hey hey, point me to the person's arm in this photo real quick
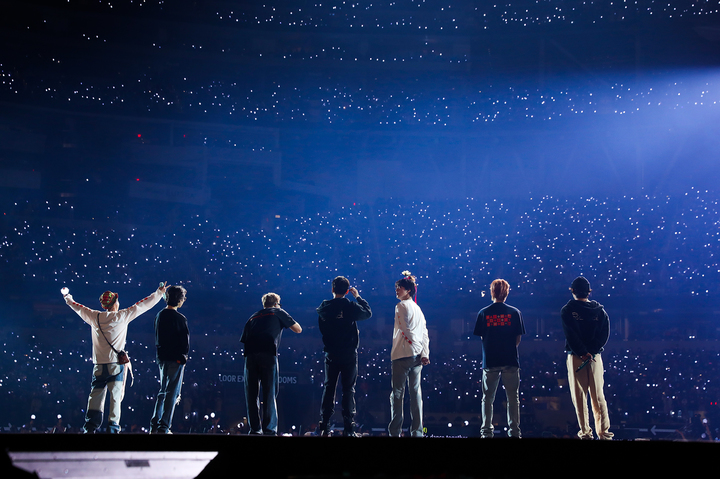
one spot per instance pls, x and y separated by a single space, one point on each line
183 339
604 332
402 319
287 321
479 325
362 308
246 332
520 328
86 314
572 334
180 337
186 337
425 355
144 304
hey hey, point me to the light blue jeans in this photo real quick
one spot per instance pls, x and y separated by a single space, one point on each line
511 381
406 370
106 377
171 376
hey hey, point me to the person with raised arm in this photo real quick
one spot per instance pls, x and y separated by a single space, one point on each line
337 320
261 336
110 361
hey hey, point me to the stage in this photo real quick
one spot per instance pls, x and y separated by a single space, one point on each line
177 456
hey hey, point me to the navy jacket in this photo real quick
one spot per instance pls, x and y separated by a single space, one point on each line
337 319
586 326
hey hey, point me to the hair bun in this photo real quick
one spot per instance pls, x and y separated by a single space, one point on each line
407 275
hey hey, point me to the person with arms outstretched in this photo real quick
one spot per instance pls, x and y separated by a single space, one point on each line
110 362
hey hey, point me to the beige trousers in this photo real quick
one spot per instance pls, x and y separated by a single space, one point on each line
589 380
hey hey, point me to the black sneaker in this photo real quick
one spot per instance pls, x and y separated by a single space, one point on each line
349 429
323 430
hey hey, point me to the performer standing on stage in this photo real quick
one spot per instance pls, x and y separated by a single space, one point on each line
410 352
500 326
587 329
172 346
337 319
261 337
109 333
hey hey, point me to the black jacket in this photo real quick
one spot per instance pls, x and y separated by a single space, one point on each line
172 339
586 326
338 323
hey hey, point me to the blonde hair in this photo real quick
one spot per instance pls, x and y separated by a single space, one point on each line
270 299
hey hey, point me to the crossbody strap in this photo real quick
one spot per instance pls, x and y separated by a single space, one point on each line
129 368
103 334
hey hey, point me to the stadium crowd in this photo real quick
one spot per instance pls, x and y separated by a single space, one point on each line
648 247
652 245
330 76
192 66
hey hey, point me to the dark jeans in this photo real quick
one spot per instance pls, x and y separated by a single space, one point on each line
344 366
261 371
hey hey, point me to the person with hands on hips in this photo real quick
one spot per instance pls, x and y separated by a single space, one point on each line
109 334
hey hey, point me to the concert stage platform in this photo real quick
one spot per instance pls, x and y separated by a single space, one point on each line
176 456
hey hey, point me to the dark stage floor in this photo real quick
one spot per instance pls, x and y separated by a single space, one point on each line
298 457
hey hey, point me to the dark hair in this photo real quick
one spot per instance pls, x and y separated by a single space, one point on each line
174 295
580 287
408 282
340 285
